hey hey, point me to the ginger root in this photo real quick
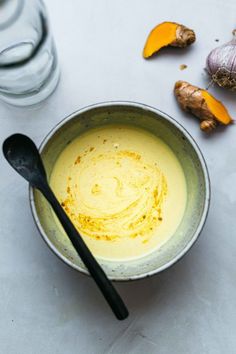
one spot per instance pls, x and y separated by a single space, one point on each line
201 104
168 34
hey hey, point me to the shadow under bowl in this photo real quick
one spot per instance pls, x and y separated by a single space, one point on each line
183 146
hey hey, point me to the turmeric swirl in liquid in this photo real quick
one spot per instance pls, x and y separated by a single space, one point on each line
115 186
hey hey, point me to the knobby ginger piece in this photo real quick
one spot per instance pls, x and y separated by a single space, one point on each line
202 104
168 34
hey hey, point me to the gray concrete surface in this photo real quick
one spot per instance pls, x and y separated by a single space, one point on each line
47 308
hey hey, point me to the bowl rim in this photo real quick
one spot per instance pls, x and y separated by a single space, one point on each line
190 139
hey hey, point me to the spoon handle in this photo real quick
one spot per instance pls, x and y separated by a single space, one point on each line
109 292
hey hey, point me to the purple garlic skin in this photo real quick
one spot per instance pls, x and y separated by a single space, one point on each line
221 65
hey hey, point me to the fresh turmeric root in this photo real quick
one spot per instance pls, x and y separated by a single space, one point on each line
201 104
167 34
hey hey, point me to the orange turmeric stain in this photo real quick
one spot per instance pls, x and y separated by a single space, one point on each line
77 160
141 226
130 154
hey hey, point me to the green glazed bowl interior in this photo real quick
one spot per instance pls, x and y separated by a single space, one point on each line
184 147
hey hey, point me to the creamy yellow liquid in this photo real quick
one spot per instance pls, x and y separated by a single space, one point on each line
123 188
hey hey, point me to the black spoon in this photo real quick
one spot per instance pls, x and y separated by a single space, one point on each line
22 154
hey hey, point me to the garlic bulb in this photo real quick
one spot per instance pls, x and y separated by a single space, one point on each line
221 64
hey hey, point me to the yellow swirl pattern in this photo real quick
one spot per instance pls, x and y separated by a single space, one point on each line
115 195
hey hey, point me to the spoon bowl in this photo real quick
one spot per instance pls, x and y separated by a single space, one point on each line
23 156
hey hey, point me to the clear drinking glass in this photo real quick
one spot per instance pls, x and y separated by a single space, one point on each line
28 61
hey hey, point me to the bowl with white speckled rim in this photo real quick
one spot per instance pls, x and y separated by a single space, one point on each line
188 154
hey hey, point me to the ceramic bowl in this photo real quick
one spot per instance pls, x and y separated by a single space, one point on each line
184 147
